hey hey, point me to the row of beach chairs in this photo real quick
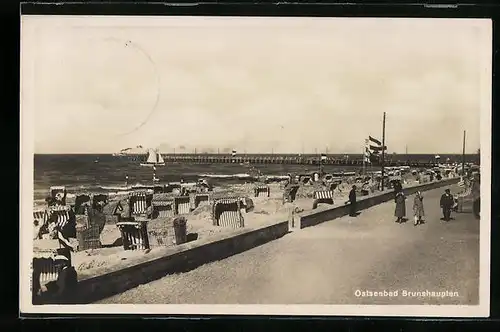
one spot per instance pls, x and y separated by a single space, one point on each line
225 212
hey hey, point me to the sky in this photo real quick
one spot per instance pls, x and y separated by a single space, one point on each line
101 84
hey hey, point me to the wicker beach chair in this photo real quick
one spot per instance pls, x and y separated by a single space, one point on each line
40 217
134 235
201 199
57 195
323 196
46 267
140 205
163 208
226 212
182 204
62 218
262 190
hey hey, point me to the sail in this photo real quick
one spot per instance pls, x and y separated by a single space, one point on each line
160 158
151 156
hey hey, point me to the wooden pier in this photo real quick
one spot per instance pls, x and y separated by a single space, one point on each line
277 159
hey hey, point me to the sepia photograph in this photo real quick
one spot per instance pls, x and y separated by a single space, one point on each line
255 165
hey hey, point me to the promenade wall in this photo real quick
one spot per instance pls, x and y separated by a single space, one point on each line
323 214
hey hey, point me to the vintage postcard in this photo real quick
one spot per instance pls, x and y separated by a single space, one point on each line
249 165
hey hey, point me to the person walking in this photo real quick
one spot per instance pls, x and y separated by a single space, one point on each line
418 208
400 211
446 204
352 202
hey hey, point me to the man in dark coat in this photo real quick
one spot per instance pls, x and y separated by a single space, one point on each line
352 202
446 204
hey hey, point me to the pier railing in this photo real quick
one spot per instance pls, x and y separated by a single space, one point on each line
292 160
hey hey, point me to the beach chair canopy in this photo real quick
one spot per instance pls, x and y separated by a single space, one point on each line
54 190
80 201
99 201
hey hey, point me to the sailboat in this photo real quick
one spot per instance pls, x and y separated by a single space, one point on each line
154 159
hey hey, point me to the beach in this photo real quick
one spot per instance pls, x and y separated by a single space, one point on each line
227 182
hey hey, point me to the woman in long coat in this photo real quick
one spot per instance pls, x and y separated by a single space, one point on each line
400 212
418 208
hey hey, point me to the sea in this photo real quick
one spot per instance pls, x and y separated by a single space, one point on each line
103 173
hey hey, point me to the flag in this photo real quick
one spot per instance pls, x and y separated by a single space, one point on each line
374 147
323 156
377 148
374 140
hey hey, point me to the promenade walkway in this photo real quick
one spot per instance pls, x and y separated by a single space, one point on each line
328 263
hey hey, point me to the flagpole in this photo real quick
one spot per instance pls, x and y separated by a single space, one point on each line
383 151
463 157
364 159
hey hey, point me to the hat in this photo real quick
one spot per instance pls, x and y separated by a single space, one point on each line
447 190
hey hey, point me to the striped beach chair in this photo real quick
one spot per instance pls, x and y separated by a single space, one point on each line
45 272
64 221
140 205
46 266
226 212
40 217
182 204
134 235
164 208
262 191
322 196
61 215
201 199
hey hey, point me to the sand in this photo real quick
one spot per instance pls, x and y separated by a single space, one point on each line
267 211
